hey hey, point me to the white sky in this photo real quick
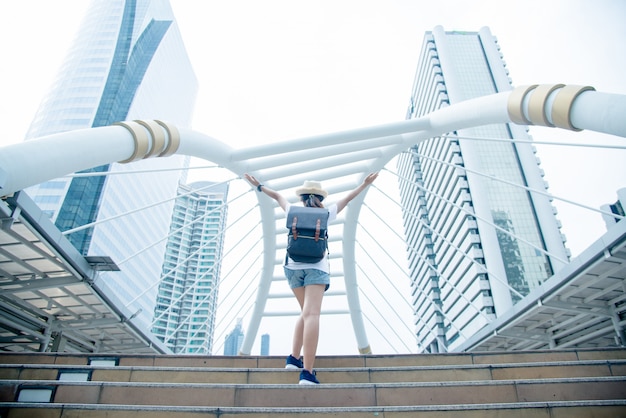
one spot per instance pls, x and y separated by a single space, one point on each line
271 70
283 69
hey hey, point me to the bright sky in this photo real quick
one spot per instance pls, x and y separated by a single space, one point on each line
281 69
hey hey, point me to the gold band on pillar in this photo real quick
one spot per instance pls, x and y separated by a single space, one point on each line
515 104
158 137
150 139
562 106
174 139
140 137
537 104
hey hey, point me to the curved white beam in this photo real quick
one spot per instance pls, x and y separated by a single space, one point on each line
32 162
569 107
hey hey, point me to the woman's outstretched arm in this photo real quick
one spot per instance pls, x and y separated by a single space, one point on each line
282 202
342 203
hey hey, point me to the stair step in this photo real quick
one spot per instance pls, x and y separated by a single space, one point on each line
541 384
326 395
573 409
403 360
471 372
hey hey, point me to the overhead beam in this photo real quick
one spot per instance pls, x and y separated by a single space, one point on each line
38 284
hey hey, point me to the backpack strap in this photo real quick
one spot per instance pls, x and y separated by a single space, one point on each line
317 229
294 230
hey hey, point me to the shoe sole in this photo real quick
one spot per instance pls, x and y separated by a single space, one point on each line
291 366
307 382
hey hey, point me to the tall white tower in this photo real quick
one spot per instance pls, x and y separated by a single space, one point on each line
472 237
187 299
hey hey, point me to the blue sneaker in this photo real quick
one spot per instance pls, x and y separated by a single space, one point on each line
308 378
293 363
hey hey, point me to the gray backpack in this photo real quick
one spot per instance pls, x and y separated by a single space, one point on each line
307 239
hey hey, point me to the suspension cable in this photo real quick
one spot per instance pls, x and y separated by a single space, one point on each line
384 337
130 212
454 247
152 170
510 183
176 231
393 260
488 222
385 319
439 274
436 307
367 276
180 263
239 312
535 142
188 289
223 280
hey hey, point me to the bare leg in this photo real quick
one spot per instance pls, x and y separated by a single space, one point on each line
298 331
310 318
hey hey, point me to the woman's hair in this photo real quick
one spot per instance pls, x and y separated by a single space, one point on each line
312 200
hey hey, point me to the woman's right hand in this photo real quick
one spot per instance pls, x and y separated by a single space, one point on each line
370 178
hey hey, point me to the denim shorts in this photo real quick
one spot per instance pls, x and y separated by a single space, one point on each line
299 278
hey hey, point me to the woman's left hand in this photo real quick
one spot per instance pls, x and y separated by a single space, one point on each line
252 180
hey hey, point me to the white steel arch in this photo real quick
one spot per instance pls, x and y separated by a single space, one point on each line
347 155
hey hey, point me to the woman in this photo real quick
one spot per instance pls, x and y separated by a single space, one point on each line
308 281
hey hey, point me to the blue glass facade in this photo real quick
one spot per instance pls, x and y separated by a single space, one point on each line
80 206
472 237
127 62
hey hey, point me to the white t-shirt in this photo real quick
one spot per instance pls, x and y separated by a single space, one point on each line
323 263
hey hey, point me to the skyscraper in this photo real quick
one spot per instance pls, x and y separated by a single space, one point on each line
128 62
472 235
233 341
184 316
265 345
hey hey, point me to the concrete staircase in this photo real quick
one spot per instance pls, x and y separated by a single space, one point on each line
546 384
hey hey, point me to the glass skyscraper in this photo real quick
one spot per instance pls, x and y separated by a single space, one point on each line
472 235
184 317
265 345
127 62
233 341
